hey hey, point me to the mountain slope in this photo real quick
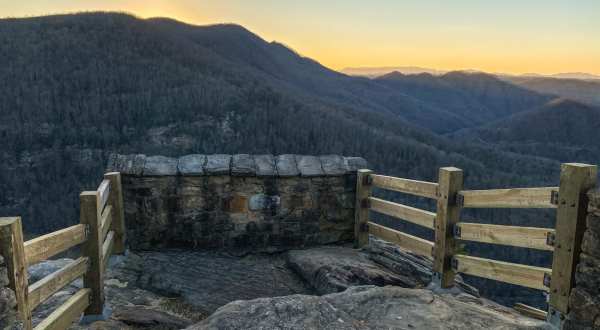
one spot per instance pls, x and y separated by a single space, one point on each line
77 87
477 98
586 91
561 129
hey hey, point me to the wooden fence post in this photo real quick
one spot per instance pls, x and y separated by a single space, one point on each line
450 182
116 200
92 248
575 181
13 251
361 211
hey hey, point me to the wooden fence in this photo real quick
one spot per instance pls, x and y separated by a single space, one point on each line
564 240
100 233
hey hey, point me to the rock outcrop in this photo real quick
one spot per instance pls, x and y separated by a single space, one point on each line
368 307
584 301
8 303
334 269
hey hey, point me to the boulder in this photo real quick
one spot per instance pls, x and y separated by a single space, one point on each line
243 165
334 269
160 165
217 164
192 165
265 165
333 165
286 165
368 307
309 165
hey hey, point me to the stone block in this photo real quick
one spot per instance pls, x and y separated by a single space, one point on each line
354 164
218 164
265 165
160 165
585 310
587 276
309 166
261 201
192 165
333 165
126 164
286 165
591 244
243 165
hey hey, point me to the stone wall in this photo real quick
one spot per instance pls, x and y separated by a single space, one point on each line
8 303
246 202
585 297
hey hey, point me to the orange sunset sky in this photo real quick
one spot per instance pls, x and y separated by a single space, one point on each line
496 36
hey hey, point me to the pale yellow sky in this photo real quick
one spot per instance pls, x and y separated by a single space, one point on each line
512 36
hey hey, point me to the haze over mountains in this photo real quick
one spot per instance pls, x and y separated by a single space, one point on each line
78 87
373 72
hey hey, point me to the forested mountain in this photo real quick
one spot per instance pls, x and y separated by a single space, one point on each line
586 91
76 87
476 98
561 129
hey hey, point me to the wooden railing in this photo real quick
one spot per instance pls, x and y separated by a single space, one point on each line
101 232
564 240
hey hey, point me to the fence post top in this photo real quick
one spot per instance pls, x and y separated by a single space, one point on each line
107 174
364 170
8 221
577 165
450 169
88 193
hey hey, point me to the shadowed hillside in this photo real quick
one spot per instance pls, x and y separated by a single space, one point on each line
561 129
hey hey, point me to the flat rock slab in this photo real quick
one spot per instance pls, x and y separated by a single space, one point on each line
334 269
367 307
126 164
243 165
333 165
217 164
209 279
192 165
160 165
265 165
309 165
286 165
355 163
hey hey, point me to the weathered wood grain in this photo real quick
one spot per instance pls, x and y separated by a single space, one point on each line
524 275
528 237
404 212
49 285
412 243
43 247
64 316
509 198
413 187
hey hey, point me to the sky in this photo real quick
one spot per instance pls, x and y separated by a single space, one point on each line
509 36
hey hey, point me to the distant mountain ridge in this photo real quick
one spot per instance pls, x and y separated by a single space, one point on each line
374 72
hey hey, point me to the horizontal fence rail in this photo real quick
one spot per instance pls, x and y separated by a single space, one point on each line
413 187
70 310
412 243
49 245
417 216
528 276
527 237
563 240
508 198
49 285
102 225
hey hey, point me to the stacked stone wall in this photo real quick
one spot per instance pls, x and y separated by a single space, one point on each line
585 298
247 202
8 303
